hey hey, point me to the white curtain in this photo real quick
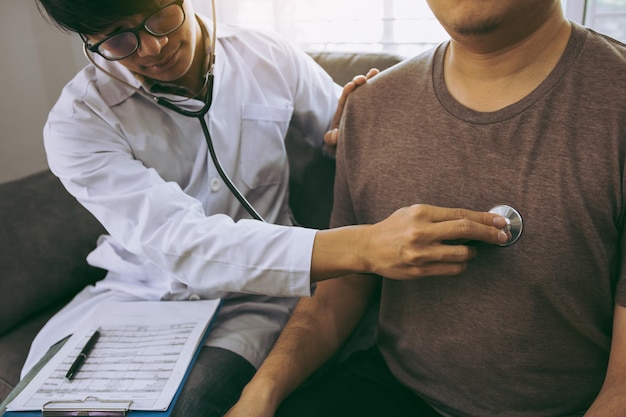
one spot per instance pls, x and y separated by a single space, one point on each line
405 27
401 26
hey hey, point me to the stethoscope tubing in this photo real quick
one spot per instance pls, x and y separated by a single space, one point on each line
199 114
233 189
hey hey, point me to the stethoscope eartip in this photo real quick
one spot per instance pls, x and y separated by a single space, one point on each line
515 224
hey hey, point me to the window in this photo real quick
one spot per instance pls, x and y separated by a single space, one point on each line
607 16
406 27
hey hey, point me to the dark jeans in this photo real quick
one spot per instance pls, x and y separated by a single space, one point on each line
214 383
361 386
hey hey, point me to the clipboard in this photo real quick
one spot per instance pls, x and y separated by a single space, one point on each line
96 407
114 411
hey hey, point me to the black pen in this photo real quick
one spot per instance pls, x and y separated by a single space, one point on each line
82 355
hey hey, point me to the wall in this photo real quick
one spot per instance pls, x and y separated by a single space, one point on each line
36 60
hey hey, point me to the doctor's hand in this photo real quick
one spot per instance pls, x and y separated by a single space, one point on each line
332 136
416 241
413 242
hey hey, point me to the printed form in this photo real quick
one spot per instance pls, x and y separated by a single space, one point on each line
141 356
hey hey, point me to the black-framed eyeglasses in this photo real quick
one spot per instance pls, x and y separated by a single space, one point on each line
123 43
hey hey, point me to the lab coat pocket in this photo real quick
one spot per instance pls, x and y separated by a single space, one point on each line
263 155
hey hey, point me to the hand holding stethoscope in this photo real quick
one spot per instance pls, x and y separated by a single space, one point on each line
514 222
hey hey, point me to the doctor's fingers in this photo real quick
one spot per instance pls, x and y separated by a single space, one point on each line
331 138
372 73
361 79
341 103
456 224
348 88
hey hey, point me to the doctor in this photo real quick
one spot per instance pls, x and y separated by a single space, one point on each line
175 230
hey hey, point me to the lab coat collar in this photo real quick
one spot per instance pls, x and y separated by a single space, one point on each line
113 91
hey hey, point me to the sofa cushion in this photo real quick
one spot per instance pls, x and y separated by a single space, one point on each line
343 66
311 173
45 236
14 346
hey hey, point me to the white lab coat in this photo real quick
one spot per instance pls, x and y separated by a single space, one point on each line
175 230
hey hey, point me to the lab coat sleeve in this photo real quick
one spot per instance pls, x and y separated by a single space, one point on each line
155 219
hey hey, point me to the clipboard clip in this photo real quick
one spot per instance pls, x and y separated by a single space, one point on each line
87 407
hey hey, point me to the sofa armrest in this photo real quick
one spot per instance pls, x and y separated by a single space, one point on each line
45 236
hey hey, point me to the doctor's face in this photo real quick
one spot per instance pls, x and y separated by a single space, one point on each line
160 44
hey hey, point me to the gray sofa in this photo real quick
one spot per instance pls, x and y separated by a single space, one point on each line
45 235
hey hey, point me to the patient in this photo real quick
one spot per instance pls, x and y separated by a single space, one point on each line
520 107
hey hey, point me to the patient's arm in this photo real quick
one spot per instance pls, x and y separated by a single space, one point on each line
317 328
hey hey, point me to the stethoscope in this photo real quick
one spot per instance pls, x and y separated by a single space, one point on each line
198 114
514 222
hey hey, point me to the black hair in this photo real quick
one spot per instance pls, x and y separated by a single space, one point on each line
92 17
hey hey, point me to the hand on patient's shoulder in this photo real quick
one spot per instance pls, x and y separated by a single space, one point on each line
331 138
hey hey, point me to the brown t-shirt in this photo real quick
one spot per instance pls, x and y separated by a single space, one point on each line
526 330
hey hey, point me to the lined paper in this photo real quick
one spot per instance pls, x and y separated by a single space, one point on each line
143 352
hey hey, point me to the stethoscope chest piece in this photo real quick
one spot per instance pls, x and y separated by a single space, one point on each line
515 224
